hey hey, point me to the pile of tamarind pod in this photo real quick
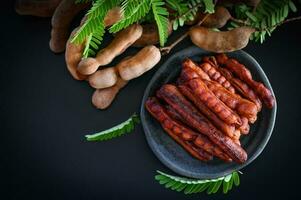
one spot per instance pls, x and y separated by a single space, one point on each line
210 106
108 80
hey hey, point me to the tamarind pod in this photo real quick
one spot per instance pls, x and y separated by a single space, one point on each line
171 95
216 121
245 75
156 110
39 8
119 44
73 56
222 41
114 15
203 94
103 78
243 107
217 76
190 64
102 98
61 20
242 88
218 19
150 35
140 63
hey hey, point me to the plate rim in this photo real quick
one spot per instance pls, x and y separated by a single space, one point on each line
237 167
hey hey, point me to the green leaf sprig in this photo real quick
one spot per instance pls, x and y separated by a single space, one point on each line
118 130
265 18
192 186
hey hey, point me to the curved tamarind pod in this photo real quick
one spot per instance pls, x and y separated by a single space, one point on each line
218 19
180 129
221 125
102 98
217 76
174 130
202 93
61 19
103 78
171 95
242 88
245 75
73 56
42 8
243 107
222 41
150 35
120 43
140 63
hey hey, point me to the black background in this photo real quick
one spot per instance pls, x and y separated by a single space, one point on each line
44 115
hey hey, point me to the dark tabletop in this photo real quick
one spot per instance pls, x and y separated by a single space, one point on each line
44 115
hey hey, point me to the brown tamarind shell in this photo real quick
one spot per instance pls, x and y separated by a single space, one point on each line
150 35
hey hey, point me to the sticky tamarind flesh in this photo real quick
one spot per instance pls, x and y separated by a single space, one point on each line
223 41
143 61
120 43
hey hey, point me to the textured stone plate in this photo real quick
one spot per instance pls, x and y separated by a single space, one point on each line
171 154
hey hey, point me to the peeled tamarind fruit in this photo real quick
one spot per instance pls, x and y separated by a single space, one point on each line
61 19
222 41
150 35
102 98
38 8
217 19
120 43
143 61
103 78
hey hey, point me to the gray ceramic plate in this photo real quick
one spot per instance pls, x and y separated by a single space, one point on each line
177 159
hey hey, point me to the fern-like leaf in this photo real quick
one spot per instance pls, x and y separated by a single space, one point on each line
266 17
94 20
118 130
209 6
133 10
191 186
161 18
93 41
